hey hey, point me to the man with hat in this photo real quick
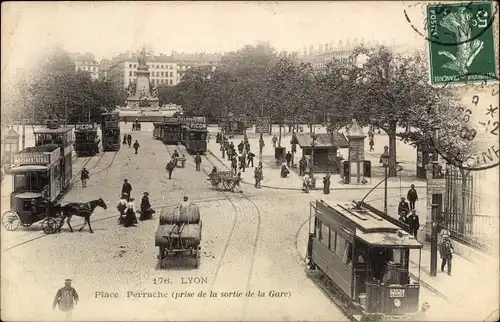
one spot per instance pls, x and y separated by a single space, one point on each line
146 212
412 196
66 298
446 254
121 206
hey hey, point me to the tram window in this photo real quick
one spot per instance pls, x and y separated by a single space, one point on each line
318 228
333 238
343 249
397 256
30 181
325 234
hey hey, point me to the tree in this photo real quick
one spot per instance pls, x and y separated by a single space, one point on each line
392 91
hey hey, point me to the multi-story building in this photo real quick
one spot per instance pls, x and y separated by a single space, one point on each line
86 63
188 61
123 70
104 68
343 51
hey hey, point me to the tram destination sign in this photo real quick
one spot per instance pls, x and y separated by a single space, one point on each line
84 126
31 158
198 126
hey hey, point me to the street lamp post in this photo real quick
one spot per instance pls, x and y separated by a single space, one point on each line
311 166
385 161
435 199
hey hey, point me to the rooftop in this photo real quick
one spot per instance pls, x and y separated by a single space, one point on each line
323 140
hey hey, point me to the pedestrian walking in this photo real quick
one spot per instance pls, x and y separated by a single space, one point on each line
126 187
121 206
197 161
274 140
136 146
284 170
129 140
84 176
258 175
170 168
403 206
412 196
250 157
302 165
175 156
446 254
243 162
146 211
403 218
326 183
241 145
125 136
130 217
288 158
66 298
234 164
371 144
413 223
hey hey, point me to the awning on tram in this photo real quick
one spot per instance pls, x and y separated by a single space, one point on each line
27 195
29 168
386 239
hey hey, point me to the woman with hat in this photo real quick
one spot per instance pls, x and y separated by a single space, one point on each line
130 219
121 207
145 207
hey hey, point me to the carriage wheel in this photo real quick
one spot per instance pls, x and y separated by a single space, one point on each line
227 184
11 220
49 226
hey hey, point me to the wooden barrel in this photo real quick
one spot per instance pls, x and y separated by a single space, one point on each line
190 215
168 236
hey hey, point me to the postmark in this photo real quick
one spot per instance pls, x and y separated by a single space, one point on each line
480 116
465 49
413 11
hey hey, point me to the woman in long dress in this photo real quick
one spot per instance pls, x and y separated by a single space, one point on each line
130 218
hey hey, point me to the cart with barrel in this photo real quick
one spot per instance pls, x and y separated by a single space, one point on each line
179 234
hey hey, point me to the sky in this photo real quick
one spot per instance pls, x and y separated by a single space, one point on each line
109 28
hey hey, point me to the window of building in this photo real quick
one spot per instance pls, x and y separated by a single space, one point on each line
170 82
130 65
157 74
135 73
162 74
130 73
135 65
171 74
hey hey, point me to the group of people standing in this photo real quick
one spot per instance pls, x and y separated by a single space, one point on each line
127 140
127 210
407 212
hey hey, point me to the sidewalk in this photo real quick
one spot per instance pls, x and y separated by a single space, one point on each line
273 179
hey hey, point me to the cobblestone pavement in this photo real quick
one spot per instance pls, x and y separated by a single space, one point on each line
247 245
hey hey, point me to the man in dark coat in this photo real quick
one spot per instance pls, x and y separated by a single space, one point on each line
243 162
125 136
170 168
250 157
136 146
66 298
84 177
288 158
403 206
413 223
197 161
129 140
446 254
126 188
234 164
412 196
404 220
175 155
302 166
240 147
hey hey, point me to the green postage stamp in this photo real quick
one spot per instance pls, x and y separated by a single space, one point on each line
462 42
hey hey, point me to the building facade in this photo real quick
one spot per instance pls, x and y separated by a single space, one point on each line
123 70
187 61
86 63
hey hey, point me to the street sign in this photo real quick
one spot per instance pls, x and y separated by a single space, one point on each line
262 125
436 186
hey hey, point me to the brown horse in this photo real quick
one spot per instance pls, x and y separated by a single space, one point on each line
81 209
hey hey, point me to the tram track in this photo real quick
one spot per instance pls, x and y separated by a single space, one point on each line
230 198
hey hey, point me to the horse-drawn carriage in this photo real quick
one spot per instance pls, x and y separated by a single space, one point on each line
179 232
29 208
226 180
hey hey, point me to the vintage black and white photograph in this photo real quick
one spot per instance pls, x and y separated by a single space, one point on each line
250 161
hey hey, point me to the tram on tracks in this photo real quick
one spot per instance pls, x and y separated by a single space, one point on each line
171 129
365 260
110 131
195 135
86 139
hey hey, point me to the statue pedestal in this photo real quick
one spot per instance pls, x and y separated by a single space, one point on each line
142 98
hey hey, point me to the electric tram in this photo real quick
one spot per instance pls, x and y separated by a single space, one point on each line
195 135
364 261
171 130
110 131
86 139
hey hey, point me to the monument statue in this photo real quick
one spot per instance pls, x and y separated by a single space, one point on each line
142 58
